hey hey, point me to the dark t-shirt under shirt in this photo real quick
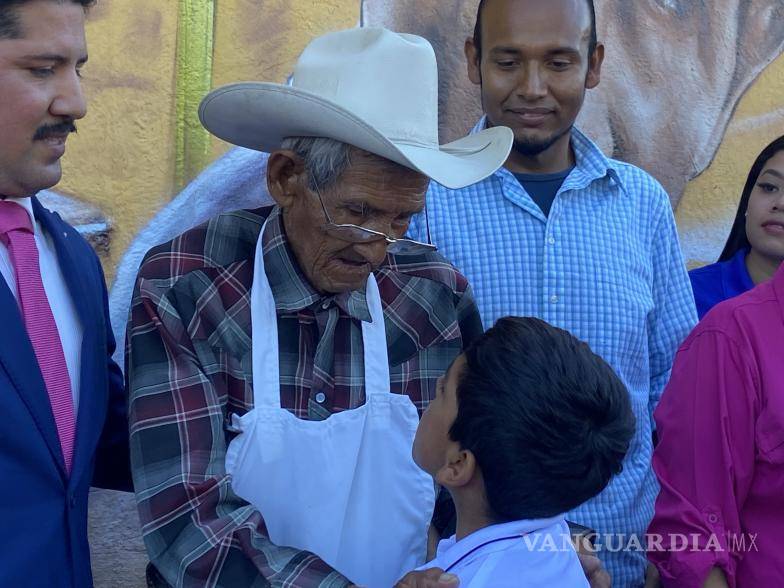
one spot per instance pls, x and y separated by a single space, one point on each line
542 188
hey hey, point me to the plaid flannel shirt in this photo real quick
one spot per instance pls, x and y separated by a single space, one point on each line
189 368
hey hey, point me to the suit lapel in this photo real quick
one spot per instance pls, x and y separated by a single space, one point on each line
72 263
18 359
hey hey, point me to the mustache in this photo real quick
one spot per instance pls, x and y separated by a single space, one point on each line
54 130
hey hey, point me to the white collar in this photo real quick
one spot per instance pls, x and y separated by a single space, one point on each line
450 551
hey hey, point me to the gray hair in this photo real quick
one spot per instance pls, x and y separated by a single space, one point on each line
325 159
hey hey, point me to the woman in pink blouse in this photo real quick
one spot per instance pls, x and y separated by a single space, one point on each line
719 518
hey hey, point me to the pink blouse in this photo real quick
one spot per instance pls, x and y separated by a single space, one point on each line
720 457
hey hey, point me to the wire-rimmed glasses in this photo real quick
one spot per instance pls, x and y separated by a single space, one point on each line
357 234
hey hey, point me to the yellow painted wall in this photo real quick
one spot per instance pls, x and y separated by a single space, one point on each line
124 159
709 204
261 40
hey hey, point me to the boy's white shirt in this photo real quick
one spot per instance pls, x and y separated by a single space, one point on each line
535 552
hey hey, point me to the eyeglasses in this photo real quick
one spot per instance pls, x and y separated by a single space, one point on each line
357 234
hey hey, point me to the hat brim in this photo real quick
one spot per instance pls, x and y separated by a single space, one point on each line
259 115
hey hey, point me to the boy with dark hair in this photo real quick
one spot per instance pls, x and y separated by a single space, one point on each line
527 424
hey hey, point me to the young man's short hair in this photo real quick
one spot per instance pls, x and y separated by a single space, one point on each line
547 420
592 43
9 22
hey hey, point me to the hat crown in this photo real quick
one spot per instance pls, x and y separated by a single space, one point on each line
387 79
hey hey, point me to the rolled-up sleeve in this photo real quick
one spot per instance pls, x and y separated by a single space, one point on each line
705 458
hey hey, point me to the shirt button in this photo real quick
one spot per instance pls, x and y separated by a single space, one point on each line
713 519
325 306
321 397
554 299
551 240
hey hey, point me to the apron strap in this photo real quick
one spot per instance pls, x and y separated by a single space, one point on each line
264 333
374 343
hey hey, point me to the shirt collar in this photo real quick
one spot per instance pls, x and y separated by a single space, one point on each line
735 275
450 551
27 204
290 288
778 286
590 163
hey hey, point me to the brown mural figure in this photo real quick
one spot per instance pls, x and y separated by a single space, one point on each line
674 72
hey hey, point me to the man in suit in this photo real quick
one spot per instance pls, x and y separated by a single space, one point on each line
61 396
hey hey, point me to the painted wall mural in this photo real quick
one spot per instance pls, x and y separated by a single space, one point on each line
691 91
681 82
675 70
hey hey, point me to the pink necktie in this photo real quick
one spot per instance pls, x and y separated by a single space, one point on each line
16 232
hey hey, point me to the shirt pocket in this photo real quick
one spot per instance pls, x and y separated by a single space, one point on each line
609 272
770 435
413 326
620 315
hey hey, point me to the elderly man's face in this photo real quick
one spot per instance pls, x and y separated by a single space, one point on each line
40 93
373 193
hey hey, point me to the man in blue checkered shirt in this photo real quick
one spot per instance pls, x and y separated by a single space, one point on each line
565 234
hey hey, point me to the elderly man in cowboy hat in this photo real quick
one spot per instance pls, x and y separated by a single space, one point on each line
278 358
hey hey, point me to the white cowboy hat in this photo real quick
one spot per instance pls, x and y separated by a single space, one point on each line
371 88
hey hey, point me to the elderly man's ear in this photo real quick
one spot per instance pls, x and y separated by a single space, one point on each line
285 176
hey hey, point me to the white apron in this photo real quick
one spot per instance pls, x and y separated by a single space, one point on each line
346 488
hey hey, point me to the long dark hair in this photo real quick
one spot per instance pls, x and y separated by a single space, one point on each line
738 239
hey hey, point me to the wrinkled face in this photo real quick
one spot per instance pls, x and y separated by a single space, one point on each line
432 442
765 212
40 94
535 67
373 193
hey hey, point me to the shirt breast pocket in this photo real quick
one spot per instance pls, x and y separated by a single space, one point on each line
624 303
770 435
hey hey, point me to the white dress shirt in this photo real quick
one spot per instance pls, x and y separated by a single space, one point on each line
529 553
60 300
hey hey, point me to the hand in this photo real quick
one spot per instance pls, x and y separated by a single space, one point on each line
716 579
432 578
594 571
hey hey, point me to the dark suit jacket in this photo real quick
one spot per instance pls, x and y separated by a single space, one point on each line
43 512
